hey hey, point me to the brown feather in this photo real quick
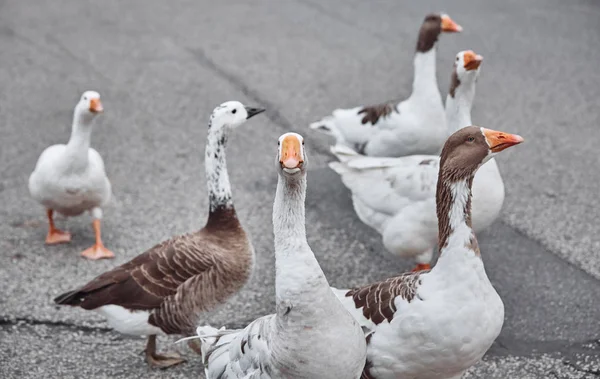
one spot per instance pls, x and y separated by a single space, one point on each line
178 278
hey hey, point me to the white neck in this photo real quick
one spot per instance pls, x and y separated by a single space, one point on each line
458 108
77 150
298 276
215 165
425 81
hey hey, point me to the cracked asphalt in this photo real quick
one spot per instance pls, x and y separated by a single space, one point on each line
161 67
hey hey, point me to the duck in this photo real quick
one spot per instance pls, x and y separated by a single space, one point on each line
71 179
416 125
396 196
437 323
167 288
311 335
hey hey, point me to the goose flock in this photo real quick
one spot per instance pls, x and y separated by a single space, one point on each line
419 173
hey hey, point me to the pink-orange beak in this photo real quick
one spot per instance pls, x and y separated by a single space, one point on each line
472 60
449 26
499 141
291 153
96 105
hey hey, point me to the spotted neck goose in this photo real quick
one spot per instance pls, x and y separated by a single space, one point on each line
70 179
165 289
414 126
396 196
311 335
436 324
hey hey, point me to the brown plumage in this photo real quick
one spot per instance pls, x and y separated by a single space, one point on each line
373 113
429 32
177 279
377 299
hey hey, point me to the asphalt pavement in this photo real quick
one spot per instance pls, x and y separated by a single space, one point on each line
162 66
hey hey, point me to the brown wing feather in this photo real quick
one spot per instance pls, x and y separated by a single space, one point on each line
145 281
373 113
377 299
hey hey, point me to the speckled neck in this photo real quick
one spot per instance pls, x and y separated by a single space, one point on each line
217 177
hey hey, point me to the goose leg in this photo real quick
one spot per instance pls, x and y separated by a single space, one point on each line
98 251
423 260
55 235
195 345
160 361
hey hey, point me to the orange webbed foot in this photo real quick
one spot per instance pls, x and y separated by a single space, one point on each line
56 236
97 252
421 267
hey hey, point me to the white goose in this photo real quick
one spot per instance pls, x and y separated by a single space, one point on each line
396 196
70 179
436 324
168 287
311 335
416 125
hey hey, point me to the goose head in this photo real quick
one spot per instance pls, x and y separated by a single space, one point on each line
89 105
470 147
433 25
232 114
291 156
465 71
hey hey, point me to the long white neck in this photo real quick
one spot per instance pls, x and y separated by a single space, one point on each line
299 278
425 82
77 150
215 165
458 107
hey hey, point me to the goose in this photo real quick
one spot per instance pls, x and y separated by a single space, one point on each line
166 289
416 125
70 179
311 335
436 324
396 196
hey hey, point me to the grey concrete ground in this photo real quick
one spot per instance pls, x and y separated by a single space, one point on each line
161 66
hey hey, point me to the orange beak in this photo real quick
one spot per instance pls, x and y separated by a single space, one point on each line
472 60
291 153
96 106
450 26
499 141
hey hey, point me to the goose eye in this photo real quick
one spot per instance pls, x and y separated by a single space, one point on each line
233 111
471 139
303 143
278 143
457 59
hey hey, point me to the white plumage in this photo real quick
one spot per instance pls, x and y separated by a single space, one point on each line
70 179
416 125
396 196
311 335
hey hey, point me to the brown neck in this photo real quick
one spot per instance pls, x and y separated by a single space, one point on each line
223 218
453 201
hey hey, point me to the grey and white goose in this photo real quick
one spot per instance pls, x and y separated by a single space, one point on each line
416 125
436 324
166 289
311 335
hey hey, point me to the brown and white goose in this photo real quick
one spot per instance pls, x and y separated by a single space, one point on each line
436 324
416 125
165 289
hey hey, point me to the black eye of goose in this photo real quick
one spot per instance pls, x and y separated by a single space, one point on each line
302 142
278 143
233 111
471 139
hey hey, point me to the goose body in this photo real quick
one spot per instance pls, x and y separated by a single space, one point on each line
311 335
416 125
62 182
166 289
70 179
396 196
436 324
